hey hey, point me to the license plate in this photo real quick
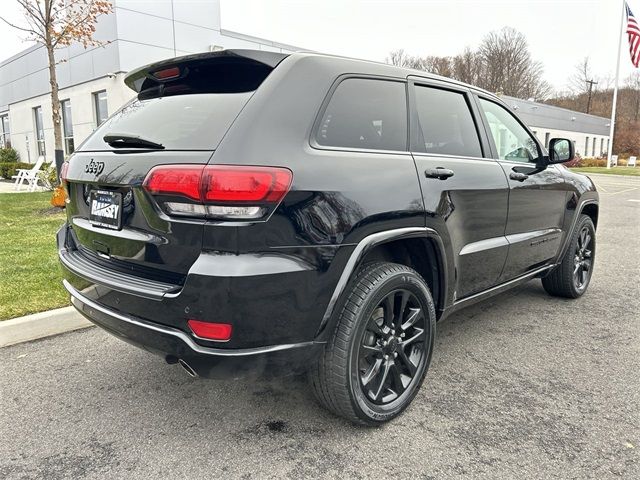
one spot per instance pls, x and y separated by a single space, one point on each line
106 209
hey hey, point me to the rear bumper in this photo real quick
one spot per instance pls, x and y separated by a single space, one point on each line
173 344
272 298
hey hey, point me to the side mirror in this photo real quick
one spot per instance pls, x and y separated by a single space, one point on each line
561 150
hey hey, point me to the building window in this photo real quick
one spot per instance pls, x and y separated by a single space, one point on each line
607 146
5 133
593 148
37 114
586 146
100 103
601 146
547 136
67 126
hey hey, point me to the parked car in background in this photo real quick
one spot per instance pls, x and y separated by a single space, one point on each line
259 211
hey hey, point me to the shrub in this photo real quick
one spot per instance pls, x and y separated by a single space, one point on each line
9 155
48 176
8 169
594 162
576 162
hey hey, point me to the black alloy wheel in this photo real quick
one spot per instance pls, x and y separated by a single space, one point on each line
392 348
379 350
582 259
572 276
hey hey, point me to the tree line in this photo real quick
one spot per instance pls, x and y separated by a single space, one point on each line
503 64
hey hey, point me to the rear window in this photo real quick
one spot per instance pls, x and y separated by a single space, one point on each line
365 113
178 122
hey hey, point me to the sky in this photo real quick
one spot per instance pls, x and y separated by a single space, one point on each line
560 32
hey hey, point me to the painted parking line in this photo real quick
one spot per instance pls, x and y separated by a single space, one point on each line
633 200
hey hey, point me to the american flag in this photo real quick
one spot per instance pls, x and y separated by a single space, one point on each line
633 31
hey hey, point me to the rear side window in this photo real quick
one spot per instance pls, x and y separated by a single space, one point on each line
446 126
365 113
178 122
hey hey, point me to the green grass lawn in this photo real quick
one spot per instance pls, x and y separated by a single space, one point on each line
30 279
635 171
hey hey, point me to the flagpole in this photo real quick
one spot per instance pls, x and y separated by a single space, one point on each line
615 88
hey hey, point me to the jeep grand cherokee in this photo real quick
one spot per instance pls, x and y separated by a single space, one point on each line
255 211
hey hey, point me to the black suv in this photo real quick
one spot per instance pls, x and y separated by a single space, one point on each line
255 211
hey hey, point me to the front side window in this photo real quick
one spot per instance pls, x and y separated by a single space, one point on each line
512 140
446 126
37 114
5 132
67 126
365 114
100 105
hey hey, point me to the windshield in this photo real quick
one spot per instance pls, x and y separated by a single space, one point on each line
179 122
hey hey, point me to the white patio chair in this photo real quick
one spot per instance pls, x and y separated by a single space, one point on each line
631 162
28 175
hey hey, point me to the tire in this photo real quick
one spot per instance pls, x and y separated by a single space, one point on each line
345 379
572 276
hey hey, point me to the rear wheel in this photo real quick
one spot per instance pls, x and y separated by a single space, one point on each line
571 278
377 358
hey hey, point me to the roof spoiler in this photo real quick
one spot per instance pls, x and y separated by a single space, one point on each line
155 74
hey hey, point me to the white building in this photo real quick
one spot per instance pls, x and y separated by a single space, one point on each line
91 81
589 133
138 32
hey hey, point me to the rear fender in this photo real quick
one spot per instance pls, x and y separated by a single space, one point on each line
356 259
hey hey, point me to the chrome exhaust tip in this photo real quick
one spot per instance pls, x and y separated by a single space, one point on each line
187 368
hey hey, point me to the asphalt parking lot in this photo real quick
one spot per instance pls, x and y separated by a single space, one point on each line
522 385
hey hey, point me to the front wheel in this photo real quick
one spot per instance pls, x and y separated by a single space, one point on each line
378 356
571 278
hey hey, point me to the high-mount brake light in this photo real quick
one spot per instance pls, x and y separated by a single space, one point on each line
167 73
219 191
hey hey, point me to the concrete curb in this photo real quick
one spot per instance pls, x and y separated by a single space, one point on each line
40 325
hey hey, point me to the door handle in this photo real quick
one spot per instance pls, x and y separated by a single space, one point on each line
439 173
520 177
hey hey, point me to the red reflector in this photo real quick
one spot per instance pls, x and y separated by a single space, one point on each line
210 331
175 180
245 184
167 73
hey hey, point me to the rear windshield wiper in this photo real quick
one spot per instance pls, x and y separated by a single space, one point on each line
122 140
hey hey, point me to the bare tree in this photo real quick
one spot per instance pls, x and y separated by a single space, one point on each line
582 83
400 58
507 66
633 83
56 24
578 81
502 64
439 66
467 67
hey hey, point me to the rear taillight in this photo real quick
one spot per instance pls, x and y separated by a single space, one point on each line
210 331
64 169
219 191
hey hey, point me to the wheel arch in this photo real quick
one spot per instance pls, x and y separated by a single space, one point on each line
591 210
420 248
